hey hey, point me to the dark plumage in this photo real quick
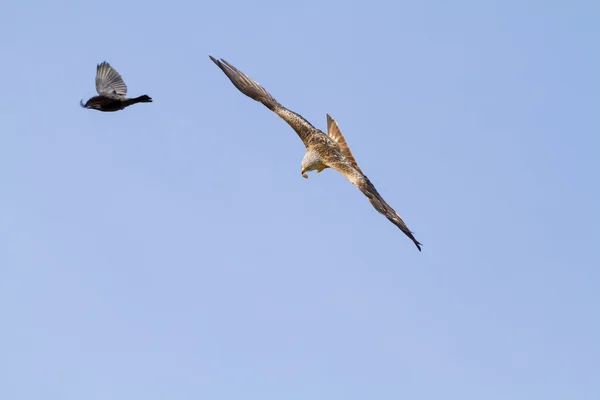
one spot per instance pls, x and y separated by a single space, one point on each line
112 91
322 150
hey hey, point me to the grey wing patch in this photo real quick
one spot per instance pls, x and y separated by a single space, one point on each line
335 133
109 81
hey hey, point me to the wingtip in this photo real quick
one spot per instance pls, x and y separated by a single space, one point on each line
221 62
415 241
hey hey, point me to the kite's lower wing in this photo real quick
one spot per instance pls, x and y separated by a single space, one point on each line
368 189
384 208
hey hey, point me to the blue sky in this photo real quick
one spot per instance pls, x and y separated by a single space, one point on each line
172 250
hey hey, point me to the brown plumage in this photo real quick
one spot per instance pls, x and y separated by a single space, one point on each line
334 132
112 91
322 151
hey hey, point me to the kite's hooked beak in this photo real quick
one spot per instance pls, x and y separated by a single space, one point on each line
303 173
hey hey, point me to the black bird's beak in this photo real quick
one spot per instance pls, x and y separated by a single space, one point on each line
81 103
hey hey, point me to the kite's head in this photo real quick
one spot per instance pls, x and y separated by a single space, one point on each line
312 161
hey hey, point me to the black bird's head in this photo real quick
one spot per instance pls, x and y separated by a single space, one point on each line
90 104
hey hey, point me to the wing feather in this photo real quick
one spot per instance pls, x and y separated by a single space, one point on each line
109 81
368 189
335 133
255 91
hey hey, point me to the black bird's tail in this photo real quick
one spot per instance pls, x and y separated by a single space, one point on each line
246 85
142 99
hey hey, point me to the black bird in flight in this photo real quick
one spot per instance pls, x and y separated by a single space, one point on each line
112 91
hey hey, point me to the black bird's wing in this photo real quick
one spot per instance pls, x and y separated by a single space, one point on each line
109 81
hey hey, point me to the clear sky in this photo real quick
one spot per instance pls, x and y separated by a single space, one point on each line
173 251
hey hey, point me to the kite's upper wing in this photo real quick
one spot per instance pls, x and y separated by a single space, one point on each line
109 81
252 89
335 133
368 189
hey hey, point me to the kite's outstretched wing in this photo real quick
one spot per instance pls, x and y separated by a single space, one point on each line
109 81
252 89
368 189
384 208
335 133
